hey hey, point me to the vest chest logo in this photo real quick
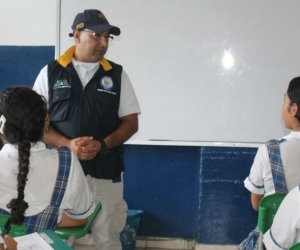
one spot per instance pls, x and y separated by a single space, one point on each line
60 84
106 85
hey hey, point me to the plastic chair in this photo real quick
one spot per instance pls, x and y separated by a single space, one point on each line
296 246
268 207
15 230
71 233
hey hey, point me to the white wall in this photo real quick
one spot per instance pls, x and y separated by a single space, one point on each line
28 22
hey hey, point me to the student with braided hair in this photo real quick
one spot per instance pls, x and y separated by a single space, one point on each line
44 188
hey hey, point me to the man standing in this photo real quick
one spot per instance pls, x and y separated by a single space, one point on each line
93 111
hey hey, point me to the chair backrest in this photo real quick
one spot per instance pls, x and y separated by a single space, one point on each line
296 246
268 207
15 230
78 232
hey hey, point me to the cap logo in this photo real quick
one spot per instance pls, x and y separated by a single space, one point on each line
79 26
100 15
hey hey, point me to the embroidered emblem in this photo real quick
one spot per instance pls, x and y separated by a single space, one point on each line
100 15
106 82
79 26
61 84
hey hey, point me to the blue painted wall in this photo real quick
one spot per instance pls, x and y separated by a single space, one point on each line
187 192
191 192
226 214
20 65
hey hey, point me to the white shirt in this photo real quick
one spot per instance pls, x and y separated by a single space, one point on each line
42 175
128 100
285 230
1 238
260 180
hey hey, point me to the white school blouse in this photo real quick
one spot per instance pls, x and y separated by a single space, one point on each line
260 180
42 175
285 230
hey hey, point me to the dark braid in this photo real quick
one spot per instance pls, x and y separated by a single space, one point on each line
18 206
25 113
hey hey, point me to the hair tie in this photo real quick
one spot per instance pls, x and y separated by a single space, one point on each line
2 123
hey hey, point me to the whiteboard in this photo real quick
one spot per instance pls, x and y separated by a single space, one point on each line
173 52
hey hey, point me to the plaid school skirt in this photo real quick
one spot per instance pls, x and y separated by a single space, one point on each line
251 242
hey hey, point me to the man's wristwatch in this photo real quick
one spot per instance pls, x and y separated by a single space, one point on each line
104 149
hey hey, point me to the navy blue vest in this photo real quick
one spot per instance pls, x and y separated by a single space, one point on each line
91 111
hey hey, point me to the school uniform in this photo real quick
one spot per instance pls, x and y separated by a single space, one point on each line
260 180
43 176
275 170
285 230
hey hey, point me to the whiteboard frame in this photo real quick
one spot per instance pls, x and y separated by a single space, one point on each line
58 20
157 142
195 143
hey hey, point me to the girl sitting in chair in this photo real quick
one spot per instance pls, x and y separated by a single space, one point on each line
43 188
276 165
285 229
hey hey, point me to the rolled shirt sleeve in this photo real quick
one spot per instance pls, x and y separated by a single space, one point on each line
260 180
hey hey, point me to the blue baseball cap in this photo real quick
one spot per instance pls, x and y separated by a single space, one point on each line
95 21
